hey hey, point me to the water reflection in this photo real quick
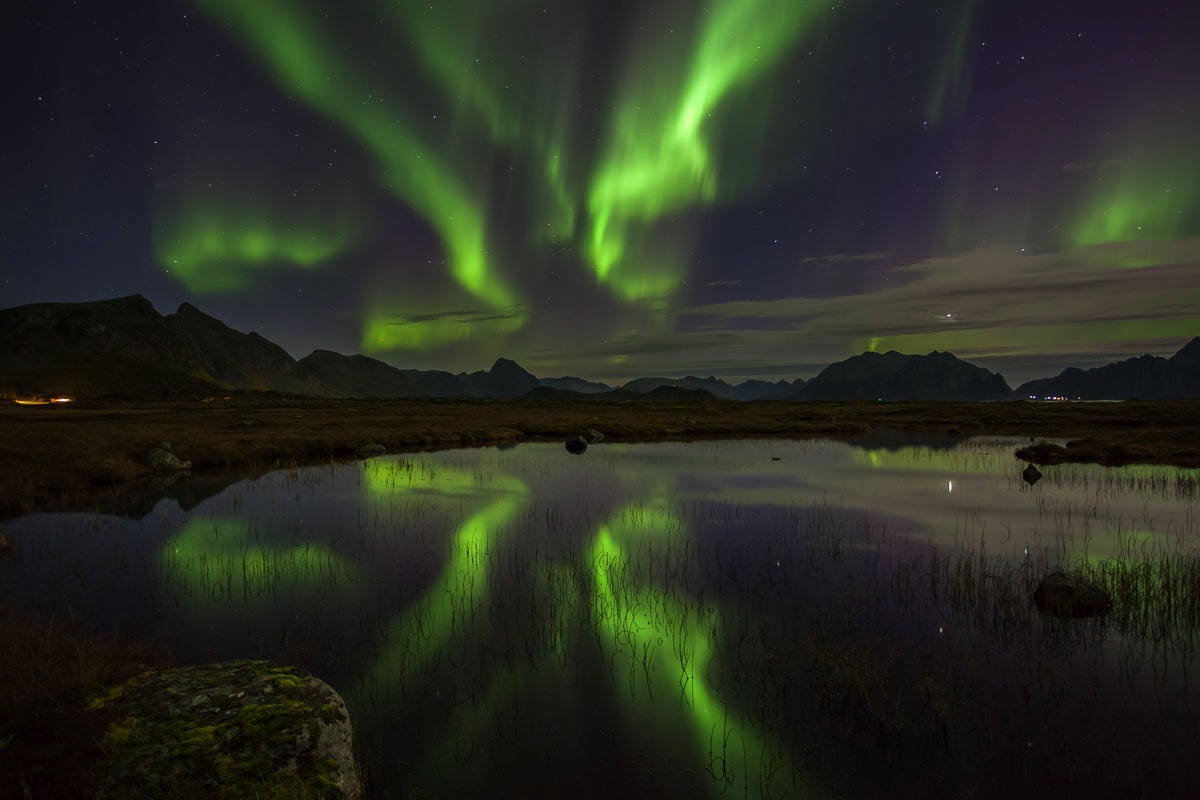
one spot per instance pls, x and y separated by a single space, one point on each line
758 618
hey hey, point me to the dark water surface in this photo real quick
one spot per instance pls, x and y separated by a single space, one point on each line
742 619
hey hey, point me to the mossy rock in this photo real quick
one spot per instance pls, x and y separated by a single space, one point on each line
229 730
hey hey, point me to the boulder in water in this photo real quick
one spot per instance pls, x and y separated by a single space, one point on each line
1070 597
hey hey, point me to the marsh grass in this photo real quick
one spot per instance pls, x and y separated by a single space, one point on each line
50 741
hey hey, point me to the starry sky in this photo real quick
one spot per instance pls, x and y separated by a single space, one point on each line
608 189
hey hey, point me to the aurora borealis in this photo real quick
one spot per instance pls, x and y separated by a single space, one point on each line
749 188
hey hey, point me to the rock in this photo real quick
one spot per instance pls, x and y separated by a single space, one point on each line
161 460
370 449
1070 597
1031 474
576 445
233 729
1043 453
591 436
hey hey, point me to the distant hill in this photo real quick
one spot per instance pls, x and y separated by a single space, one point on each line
674 394
896 376
580 385
1144 377
747 390
124 349
244 360
764 390
363 376
506 379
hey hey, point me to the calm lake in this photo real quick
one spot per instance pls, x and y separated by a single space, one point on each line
715 619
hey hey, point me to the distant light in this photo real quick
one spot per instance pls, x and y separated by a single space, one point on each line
949 486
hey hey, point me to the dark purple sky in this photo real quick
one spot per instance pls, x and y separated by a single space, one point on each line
612 189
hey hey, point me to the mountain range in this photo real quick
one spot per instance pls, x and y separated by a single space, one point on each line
125 349
1144 378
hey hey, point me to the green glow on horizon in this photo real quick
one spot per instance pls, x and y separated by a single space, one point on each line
659 160
410 167
1028 339
383 332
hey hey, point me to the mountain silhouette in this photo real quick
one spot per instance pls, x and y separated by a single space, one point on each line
124 349
1143 377
747 390
896 376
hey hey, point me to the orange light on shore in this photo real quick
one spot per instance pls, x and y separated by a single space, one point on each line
41 401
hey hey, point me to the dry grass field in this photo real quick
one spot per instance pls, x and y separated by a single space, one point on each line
84 455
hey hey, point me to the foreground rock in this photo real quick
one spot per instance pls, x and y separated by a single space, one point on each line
235 729
577 444
1070 597
161 459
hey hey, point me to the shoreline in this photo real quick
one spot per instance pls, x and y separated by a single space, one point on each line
93 455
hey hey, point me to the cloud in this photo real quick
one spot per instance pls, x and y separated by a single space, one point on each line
462 315
1004 304
846 258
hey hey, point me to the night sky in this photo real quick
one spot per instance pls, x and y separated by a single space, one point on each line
742 188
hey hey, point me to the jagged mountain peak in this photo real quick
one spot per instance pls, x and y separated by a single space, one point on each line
506 366
1189 353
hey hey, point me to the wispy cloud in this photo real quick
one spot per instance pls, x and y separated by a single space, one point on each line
990 303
